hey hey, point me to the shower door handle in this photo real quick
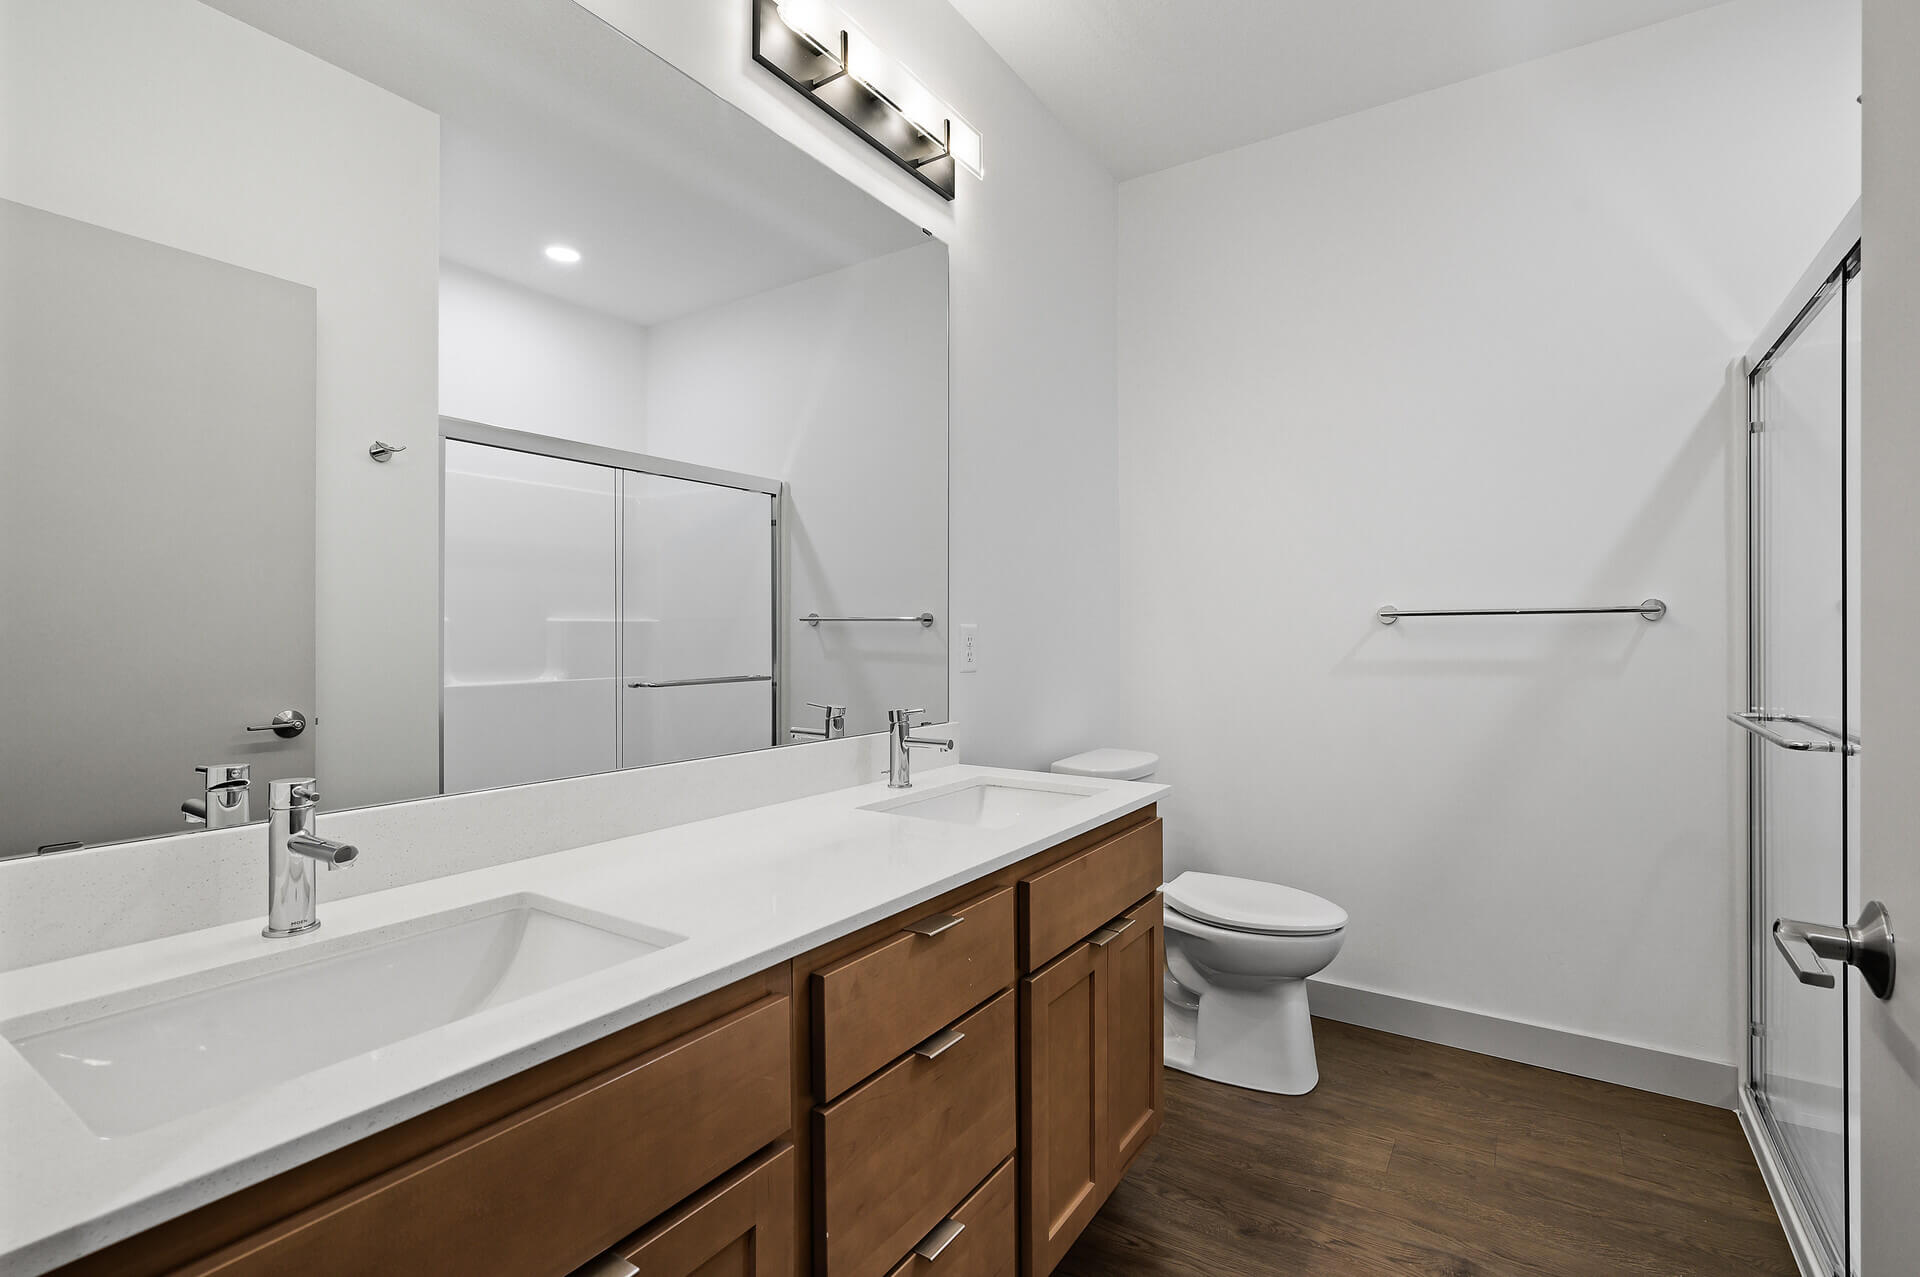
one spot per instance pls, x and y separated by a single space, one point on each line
1866 946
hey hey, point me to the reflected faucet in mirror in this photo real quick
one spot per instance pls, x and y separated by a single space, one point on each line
832 727
226 800
293 849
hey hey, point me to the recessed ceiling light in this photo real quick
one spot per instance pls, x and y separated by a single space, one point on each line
564 254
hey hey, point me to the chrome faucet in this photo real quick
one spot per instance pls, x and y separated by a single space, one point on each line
225 800
833 726
293 851
900 747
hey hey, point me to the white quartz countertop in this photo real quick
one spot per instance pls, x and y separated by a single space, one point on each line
747 890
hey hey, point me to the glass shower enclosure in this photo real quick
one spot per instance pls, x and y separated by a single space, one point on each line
1803 725
601 609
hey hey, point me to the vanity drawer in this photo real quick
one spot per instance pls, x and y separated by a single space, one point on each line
894 1154
871 1008
741 1227
545 1189
1063 905
988 1242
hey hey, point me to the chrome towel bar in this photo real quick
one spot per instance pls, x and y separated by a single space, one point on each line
925 619
1650 609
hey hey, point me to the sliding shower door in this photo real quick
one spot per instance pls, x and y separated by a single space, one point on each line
529 588
1803 744
696 620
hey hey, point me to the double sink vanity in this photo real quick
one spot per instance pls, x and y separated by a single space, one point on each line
858 1034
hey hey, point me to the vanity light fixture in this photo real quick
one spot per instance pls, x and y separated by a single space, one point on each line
563 254
817 51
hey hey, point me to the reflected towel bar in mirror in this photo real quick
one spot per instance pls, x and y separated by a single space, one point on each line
1648 609
925 619
703 682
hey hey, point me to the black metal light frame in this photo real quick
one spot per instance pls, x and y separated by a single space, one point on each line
820 75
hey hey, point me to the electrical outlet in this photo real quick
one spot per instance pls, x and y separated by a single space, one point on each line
969 649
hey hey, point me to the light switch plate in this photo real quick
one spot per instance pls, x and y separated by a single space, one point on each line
969 649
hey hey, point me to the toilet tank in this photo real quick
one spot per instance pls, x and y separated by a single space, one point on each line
1110 764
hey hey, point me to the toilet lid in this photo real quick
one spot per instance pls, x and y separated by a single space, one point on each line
1109 764
1246 905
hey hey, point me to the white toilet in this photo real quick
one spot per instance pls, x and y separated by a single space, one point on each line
1239 953
1238 956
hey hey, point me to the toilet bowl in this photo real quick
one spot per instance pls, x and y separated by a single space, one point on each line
1238 956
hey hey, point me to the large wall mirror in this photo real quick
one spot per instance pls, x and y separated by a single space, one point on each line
434 395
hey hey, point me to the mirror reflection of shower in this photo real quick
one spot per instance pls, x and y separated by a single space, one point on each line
602 610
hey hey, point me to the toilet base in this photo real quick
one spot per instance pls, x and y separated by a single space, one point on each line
1258 1036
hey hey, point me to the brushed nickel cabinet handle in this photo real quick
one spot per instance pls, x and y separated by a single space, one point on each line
1111 932
939 1044
933 924
939 1239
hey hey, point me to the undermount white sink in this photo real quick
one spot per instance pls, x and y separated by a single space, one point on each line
984 804
150 1055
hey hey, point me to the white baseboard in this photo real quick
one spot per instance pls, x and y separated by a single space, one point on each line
1644 1068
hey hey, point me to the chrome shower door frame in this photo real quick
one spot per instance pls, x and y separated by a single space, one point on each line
1821 1245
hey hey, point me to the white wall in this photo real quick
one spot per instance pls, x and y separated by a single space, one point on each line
837 385
167 120
516 358
1470 348
1033 473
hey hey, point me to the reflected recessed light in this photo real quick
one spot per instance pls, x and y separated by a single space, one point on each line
563 254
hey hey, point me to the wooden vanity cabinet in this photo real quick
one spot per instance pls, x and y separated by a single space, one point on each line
951 1092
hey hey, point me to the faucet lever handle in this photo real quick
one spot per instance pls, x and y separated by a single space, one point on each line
293 794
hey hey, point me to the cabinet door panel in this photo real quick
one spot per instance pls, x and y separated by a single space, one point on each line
1063 1109
1135 957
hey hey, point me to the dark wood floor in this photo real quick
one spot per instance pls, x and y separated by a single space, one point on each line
1415 1158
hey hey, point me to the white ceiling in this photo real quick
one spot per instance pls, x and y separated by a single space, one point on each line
556 128
1153 83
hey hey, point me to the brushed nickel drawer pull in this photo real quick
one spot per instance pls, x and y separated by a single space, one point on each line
933 924
937 1045
1111 932
606 1265
939 1239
